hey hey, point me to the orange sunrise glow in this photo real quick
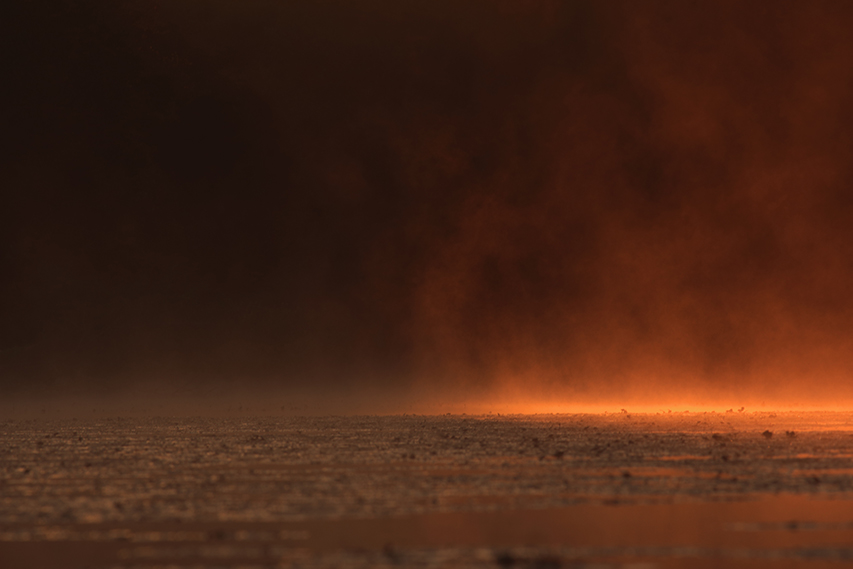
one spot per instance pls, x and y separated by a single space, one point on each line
478 284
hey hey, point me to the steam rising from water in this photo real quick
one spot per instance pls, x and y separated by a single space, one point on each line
555 202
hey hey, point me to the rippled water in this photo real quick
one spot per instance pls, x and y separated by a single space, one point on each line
546 491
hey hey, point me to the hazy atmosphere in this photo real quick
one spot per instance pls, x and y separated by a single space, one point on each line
470 284
425 202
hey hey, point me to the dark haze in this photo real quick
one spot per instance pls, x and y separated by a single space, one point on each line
592 200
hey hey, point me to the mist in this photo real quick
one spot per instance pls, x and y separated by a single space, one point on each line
385 207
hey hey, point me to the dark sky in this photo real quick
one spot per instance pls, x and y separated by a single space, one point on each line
595 197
